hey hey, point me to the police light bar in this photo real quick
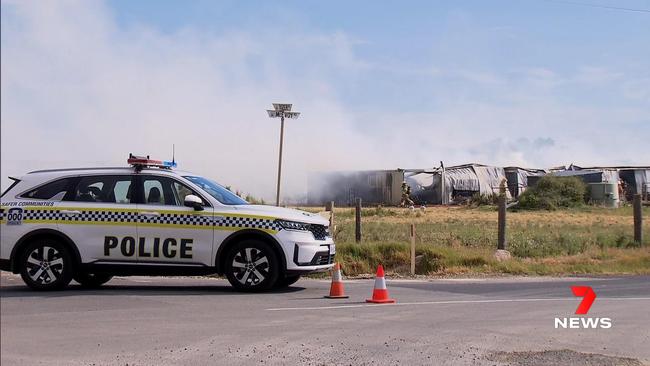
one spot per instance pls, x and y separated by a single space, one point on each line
144 161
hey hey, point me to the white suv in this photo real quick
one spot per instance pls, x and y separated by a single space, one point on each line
149 219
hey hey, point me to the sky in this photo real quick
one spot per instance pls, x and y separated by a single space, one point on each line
380 85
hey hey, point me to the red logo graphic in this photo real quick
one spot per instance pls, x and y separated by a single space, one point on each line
588 296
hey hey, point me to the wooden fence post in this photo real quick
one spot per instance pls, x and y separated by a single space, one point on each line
501 244
357 228
412 249
330 207
331 215
638 219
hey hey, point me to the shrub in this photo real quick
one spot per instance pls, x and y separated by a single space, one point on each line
430 262
551 193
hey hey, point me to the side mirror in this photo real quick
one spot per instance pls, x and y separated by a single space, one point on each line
194 202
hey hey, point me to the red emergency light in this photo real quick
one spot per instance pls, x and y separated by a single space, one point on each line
140 162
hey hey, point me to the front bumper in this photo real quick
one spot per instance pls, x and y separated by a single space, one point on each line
304 253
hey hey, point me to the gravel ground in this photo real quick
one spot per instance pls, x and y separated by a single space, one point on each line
563 357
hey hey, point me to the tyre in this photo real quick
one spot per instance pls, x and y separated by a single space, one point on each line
252 265
46 264
91 280
287 281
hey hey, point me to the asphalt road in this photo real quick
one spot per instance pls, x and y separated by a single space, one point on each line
201 321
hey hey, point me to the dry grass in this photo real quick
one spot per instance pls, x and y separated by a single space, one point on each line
461 241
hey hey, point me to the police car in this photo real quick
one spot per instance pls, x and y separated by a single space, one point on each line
150 219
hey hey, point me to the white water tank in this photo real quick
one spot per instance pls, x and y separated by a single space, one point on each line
605 194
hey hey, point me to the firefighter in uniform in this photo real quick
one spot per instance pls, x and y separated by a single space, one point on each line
406 195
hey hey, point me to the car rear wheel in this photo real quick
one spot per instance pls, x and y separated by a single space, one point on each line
46 265
252 265
92 280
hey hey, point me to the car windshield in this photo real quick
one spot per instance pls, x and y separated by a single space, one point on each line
220 193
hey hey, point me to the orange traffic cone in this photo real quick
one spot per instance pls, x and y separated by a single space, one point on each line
380 293
336 289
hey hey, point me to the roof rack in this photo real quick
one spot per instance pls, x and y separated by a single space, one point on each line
140 162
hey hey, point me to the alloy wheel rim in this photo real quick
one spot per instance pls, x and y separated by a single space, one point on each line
250 266
44 265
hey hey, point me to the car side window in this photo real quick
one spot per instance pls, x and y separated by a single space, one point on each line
165 191
181 191
54 191
104 188
122 191
158 191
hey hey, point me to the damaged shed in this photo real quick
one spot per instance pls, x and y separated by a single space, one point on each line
518 178
609 184
637 180
372 186
446 185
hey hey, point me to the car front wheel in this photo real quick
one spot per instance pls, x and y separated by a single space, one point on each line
92 280
46 265
287 281
252 265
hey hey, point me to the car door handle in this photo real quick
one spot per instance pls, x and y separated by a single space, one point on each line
149 214
70 212
217 218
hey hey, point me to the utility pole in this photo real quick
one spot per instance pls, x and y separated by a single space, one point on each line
281 110
277 193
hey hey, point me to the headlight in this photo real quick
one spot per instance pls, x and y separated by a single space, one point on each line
293 225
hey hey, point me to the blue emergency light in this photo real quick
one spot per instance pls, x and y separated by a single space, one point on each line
169 164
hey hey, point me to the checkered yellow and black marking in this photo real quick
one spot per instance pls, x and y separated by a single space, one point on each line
167 218
84 216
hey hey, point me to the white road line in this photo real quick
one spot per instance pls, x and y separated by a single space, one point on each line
455 302
497 280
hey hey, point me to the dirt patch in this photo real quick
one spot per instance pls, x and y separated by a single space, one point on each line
560 358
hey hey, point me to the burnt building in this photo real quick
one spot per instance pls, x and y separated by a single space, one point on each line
372 186
457 183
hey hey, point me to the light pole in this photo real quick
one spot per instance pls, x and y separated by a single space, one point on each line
282 111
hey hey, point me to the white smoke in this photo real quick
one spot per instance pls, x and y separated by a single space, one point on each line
78 89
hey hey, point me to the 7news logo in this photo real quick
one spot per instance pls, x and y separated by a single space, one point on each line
588 297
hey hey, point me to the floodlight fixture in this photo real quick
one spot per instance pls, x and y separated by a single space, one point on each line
282 107
291 115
